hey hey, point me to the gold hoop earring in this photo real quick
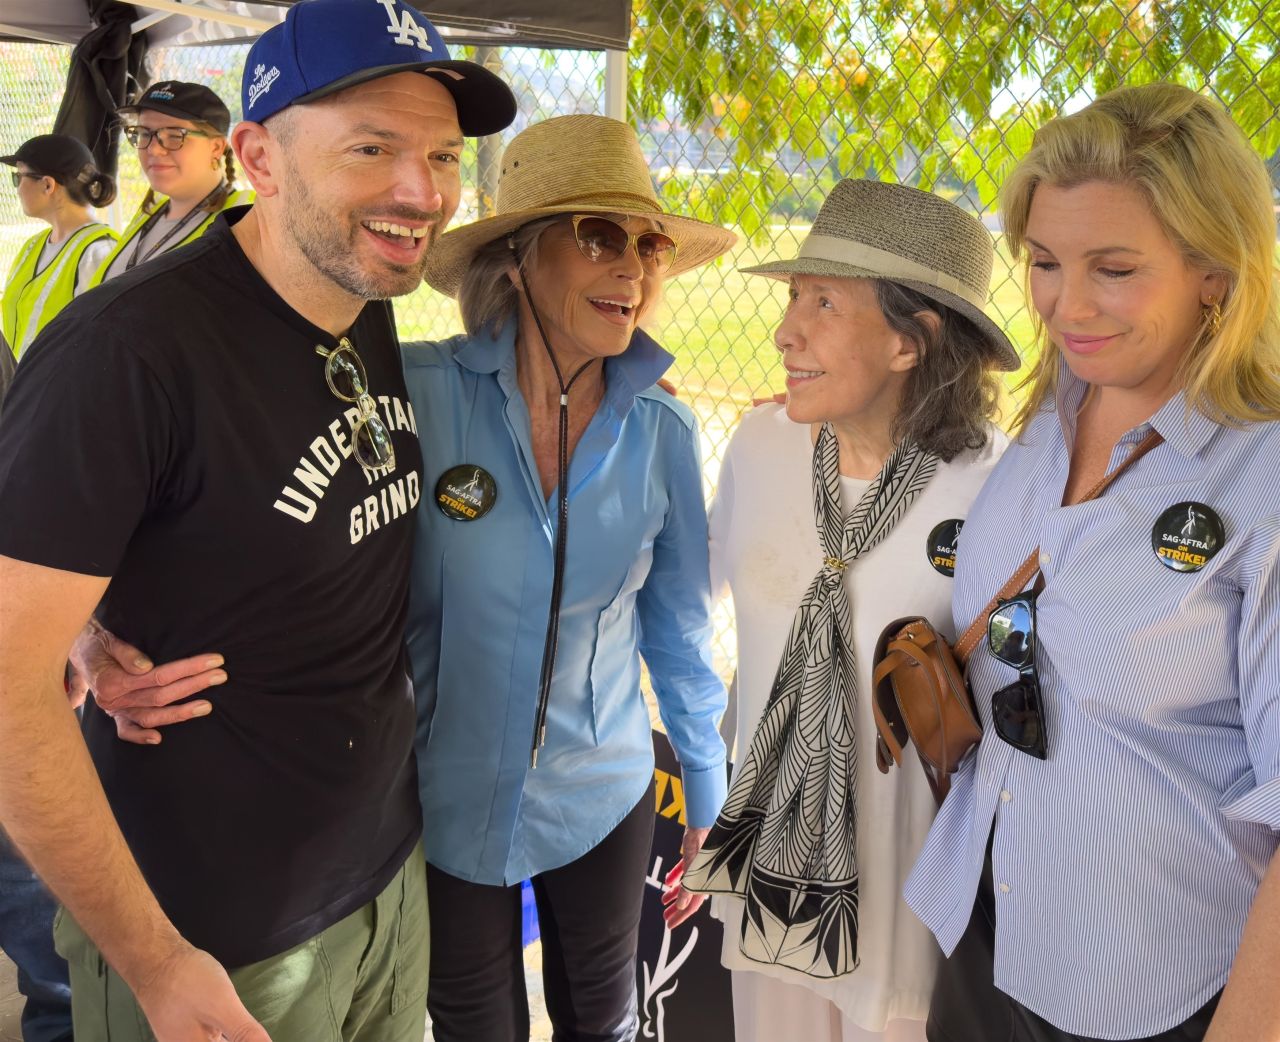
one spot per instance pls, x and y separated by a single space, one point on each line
1213 317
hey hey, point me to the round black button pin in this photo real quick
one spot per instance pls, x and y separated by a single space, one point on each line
466 492
941 548
1186 536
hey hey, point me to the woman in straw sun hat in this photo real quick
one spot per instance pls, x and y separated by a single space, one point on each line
564 539
885 439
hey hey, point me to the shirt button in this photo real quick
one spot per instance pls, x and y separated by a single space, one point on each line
1045 558
1005 796
1004 888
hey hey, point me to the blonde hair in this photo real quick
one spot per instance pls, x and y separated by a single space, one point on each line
1212 196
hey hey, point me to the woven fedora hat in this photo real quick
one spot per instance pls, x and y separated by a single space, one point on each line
877 230
572 164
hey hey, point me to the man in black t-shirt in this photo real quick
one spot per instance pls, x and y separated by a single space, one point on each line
218 446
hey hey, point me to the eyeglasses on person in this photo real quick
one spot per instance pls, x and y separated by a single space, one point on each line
1017 710
602 239
18 175
171 138
345 374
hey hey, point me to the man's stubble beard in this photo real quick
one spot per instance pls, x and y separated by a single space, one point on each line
320 239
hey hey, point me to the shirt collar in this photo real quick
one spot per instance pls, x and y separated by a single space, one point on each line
636 369
485 351
1184 429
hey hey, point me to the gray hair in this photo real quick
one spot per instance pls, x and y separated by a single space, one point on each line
952 395
282 125
487 297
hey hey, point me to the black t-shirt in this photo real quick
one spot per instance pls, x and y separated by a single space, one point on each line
6 368
173 429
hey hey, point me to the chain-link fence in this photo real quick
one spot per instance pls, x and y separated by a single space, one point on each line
751 109
31 81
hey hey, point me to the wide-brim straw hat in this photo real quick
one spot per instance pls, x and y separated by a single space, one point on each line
570 165
878 230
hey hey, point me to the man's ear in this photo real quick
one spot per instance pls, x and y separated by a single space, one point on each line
258 154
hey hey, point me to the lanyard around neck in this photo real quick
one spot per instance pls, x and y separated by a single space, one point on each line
179 227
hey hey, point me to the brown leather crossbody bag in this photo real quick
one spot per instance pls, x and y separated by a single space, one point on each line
919 691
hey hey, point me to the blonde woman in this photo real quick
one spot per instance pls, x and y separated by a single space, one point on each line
180 132
1109 854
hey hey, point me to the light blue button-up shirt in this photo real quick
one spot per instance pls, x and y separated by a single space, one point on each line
1126 863
636 584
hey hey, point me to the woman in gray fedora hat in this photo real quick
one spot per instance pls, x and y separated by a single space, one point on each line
885 438
563 539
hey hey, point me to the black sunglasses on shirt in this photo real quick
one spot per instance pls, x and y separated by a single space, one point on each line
1017 710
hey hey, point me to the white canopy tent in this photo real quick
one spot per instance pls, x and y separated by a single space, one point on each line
110 40
598 25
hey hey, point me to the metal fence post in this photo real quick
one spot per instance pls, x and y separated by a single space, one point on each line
615 85
488 149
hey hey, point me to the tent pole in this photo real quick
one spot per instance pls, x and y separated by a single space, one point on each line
615 84
23 32
147 21
196 10
488 148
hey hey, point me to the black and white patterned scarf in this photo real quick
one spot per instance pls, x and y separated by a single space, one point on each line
785 840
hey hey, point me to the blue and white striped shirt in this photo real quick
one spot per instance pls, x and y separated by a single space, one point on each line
1126 863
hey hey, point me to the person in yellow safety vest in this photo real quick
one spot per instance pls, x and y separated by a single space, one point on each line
180 132
57 181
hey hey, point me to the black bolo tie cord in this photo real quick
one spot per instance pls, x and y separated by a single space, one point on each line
562 528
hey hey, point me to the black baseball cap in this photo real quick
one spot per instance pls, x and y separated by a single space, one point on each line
192 101
52 155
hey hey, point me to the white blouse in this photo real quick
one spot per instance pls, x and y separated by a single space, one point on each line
764 548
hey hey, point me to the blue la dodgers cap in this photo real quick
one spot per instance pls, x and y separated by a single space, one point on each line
324 46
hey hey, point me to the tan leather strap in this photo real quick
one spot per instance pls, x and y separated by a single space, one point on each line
1019 580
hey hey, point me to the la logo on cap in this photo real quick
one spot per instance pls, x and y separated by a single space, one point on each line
405 27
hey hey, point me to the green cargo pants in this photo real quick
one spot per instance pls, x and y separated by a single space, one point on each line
364 979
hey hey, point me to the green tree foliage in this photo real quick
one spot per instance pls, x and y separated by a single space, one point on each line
933 92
